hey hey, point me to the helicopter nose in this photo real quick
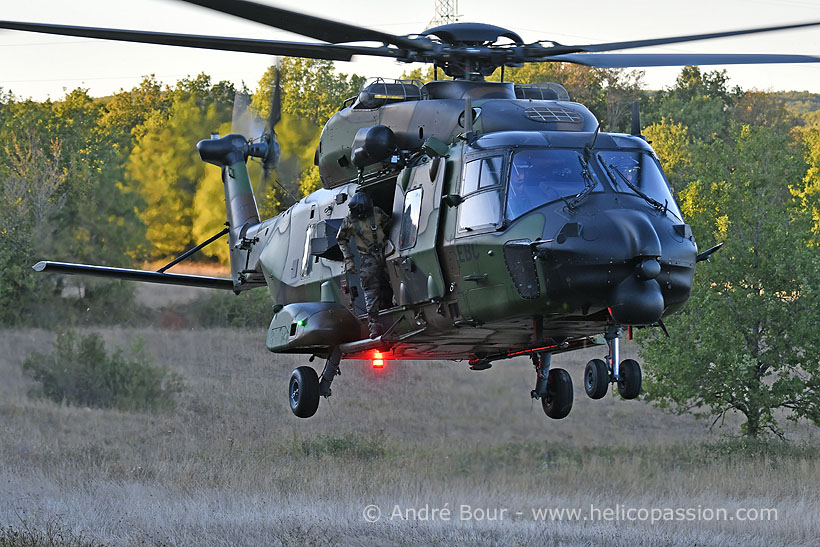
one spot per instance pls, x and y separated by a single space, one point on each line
637 299
611 260
636 302
635 232
648 269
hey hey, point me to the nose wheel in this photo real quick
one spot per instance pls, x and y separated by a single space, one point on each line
599 373
629 386
596 379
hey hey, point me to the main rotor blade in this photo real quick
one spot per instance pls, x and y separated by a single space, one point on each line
612 46
330 52
308 25
630 60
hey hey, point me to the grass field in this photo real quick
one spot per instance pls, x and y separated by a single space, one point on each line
231 465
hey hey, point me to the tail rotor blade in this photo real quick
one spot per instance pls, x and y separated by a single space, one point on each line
275 114
276 100
244 121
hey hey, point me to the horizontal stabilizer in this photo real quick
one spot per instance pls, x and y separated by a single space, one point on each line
135 275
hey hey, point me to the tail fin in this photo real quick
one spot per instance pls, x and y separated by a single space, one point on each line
230 153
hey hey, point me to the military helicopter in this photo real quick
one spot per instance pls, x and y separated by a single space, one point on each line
519 227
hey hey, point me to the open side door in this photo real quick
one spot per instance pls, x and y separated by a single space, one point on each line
416 263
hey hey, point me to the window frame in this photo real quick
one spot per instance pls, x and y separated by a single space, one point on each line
498 189
417 214
672 205
602 183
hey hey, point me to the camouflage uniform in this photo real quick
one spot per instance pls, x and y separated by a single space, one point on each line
369 235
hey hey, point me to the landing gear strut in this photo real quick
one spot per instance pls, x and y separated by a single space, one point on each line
306 387
599 374
552 386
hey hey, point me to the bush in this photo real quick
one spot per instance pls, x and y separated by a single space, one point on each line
351 445
252 309
80 372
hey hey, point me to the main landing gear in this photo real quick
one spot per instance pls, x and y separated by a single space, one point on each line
552 386
599 374
305 387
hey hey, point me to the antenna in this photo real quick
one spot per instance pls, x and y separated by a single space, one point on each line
468 116
636 119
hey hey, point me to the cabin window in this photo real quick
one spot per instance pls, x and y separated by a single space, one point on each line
410 219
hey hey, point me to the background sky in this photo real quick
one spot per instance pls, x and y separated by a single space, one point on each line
41 66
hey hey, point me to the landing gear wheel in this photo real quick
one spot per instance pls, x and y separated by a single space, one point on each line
303 392
558 401
596 379
629 386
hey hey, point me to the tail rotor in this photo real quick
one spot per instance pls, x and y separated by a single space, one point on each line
271 159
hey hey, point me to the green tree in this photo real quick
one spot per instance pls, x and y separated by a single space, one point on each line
30 197
747 340
424 75
127 110
809 191
701 101
311 89
800 102
608 93
164 168
766 110
95 222
671 142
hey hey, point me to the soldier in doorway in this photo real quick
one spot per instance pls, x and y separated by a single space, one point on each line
367 227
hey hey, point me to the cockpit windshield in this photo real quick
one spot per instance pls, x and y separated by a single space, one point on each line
634 172
539 176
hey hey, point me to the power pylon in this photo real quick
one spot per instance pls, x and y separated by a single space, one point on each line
446 13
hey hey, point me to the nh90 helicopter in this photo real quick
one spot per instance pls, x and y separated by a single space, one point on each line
519 228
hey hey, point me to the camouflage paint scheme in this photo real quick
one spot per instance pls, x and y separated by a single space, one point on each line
368 235
471 293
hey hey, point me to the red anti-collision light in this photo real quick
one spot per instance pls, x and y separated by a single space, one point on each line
378 360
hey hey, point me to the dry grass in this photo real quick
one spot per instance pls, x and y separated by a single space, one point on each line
232 465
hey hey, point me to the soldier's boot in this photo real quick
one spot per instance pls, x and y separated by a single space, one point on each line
376 329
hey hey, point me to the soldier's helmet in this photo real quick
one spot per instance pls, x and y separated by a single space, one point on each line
361 206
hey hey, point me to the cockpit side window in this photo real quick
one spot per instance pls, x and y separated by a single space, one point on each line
482 173
490 172
636 170
481 189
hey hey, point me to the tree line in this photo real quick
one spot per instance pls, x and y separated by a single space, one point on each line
117 181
